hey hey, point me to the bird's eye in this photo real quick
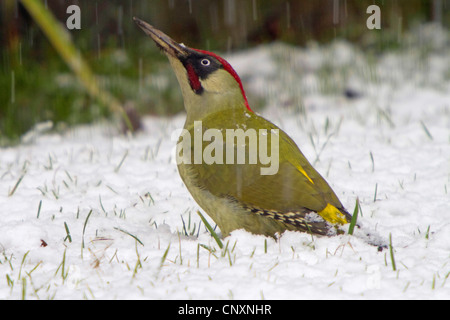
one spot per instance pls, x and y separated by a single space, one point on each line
205 62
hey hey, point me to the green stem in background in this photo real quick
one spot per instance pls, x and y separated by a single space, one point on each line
391 251
59 37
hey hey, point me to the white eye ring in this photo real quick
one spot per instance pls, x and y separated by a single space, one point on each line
205 62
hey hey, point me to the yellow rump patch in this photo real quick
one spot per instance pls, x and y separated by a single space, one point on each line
332 215
299 168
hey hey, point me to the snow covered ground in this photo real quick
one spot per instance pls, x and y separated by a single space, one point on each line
92 214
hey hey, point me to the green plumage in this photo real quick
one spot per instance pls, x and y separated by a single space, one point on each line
268 203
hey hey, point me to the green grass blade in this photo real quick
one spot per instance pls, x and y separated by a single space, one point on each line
68 236
131 235
164 257
354 217
39 209
427 132
84 229
211 230
16 185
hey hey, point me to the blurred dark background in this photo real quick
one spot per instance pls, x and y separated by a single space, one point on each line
37 86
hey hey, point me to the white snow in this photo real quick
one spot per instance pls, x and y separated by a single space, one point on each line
123 199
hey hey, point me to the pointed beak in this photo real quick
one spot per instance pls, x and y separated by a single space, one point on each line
162 40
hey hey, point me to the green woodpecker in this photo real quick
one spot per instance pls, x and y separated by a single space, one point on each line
291 195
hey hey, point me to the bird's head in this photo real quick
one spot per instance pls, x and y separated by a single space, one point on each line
207 81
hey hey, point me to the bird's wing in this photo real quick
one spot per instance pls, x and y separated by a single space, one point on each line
296 187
